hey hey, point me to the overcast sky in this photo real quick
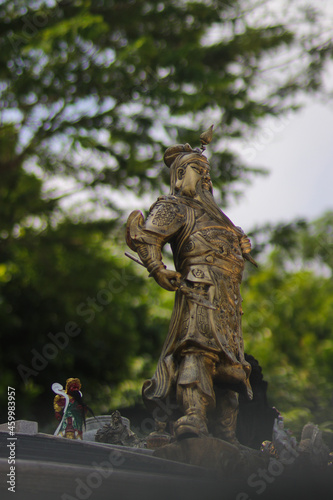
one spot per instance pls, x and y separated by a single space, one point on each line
299 155
297 151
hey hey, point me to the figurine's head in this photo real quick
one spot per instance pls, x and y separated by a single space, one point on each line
189 170
280 423
73 384
116 417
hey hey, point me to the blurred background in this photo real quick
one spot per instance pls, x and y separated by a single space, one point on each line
92 93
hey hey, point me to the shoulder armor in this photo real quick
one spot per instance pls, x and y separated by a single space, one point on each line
163 215
134 227
164 212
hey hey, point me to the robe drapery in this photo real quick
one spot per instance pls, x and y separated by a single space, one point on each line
208 256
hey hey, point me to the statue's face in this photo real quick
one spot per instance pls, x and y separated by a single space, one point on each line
74 386
116 417
188 177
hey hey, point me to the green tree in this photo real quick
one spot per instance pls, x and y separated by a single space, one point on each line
95 89
288 321
56 277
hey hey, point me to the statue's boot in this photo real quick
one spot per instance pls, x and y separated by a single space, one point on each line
226 417
194 422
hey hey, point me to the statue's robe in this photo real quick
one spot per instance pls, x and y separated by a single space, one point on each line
208 256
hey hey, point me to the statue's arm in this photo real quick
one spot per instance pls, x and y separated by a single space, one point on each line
59 403
147 238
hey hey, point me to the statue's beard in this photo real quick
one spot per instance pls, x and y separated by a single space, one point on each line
204 193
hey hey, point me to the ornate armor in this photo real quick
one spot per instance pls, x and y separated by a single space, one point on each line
203 355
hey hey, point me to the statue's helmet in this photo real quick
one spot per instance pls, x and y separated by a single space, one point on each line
180 155
183 154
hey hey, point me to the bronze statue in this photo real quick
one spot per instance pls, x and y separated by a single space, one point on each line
202 364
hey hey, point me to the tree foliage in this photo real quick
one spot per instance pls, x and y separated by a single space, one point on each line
288 321
95 90
71 305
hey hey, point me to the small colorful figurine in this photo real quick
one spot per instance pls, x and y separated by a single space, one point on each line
69 409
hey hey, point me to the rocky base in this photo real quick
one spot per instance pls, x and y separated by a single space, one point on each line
212 453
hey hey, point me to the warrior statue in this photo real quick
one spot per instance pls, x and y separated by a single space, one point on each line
202 365
69 409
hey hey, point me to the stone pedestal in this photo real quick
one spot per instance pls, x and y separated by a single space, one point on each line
224 458
54 468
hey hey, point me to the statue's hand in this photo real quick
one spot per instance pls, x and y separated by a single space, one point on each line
170 280
245 244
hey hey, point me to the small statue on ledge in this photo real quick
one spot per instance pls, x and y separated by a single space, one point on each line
202 367
283 439
69 409
116 432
